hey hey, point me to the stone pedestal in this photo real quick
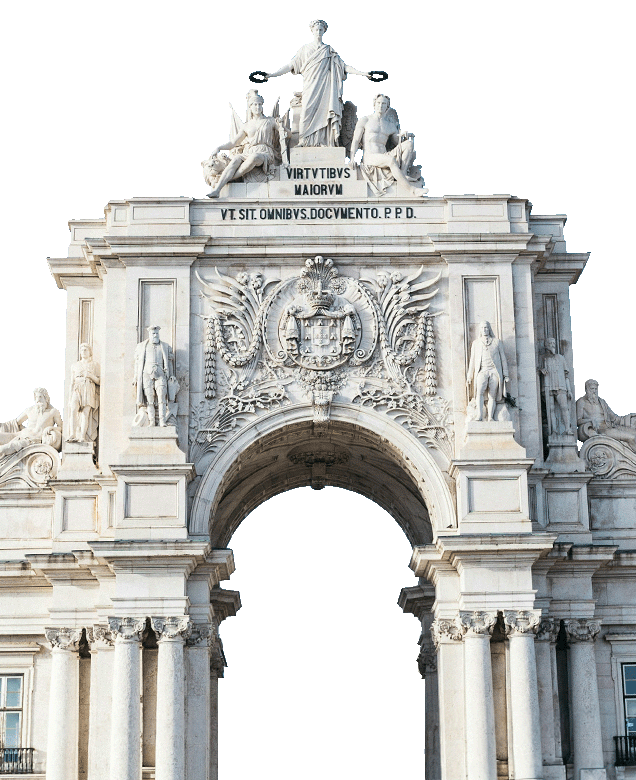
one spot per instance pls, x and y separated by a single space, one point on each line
62 741
77 460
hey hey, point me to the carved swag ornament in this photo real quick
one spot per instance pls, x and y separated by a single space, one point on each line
319 330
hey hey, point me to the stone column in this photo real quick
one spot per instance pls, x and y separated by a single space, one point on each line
62 741
481 755
217 670
447 636
545 652
170 746
521 626
427 665
199 733
125 740
587 747
101 703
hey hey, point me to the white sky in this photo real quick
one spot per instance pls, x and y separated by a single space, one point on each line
109 100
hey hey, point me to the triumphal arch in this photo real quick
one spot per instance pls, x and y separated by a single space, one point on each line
318 319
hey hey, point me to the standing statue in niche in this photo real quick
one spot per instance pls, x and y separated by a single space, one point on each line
558 394
154 378
388 153
254 146
594 417
84 400
487 372
323 73
39 424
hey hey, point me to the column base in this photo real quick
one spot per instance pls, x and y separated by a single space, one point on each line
593 774
554 772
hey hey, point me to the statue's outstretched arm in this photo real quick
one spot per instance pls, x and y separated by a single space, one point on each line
281 71
355 72
231 144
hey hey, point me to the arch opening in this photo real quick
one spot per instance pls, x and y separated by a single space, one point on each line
342 455
321 661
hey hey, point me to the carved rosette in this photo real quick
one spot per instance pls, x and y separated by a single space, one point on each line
171 629
64 638
582 629
547 630
520 622
443 630
126 629
101 636
478 623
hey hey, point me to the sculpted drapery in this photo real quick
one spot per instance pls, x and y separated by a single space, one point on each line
323 73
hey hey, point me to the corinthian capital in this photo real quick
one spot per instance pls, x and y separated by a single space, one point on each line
478 623
443 630
202 635
126 629
521 621
171 628
64 638
547 630
581 629
102 636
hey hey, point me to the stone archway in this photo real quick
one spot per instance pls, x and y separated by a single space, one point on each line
288 449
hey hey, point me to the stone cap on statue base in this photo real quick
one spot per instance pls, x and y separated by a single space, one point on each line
153 445
77 460
490 440
563 457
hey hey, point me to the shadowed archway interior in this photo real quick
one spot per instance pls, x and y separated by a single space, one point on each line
339 455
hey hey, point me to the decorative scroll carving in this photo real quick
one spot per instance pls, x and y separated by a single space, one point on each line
31 467
64 638
547 630
519 622
169 628
582 629
608 458
446 630
478 622
127 629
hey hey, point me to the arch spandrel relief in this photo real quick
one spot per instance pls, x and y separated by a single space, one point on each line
316 338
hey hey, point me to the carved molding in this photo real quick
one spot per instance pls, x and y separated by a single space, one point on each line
521 622
582 629
478 622
126 629
169 629
64 638
443 630
608 458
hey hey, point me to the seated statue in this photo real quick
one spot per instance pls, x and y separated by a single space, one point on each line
388 153
254 146
39 424
594 417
